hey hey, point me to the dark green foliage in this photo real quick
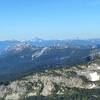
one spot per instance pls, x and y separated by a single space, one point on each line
5 83
2 99
71 74
71 94
41 88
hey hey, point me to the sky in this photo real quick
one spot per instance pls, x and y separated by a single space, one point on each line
49 19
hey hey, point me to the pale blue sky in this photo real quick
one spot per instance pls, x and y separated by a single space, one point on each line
49 19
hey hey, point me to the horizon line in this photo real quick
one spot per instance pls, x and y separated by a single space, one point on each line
38 38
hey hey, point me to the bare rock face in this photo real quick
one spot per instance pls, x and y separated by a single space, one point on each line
48 87
13 96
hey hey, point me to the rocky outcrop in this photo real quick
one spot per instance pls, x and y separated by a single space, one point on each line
52 81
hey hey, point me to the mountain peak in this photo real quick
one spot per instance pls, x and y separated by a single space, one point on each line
37 39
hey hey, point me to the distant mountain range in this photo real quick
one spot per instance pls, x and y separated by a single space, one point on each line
43 43
19 58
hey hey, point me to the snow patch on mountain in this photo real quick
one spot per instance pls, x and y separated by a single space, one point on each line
39 53
94 76
91 86
17 47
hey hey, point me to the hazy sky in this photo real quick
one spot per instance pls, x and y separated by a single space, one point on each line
56 19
